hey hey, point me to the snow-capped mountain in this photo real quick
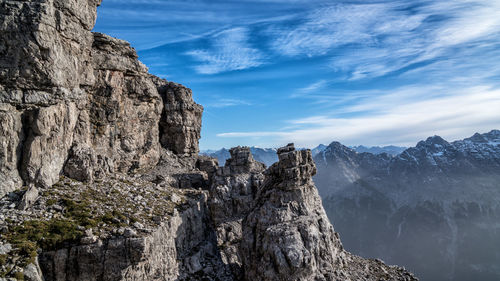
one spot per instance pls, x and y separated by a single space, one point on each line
318 149
434 207
391 149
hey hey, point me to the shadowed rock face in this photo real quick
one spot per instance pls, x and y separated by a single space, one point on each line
180 124
232 197
116 190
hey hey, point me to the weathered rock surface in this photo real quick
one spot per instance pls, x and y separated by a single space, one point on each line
11 136
232 196
178 249
180 125
70 97
287 236
44 47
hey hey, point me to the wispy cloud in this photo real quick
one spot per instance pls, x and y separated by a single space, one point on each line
402 121
230 51
221 103
310 89
327 28
371 40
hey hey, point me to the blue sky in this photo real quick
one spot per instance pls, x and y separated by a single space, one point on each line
269 72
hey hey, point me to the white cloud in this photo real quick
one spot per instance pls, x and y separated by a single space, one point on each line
230 51
371 40
221 103
413 115
310 89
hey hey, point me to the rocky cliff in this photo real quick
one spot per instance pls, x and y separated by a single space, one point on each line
100 176
437 200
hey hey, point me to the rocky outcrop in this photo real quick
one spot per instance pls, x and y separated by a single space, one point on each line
287 231
179 249
232 196
288 235
44 58
80 103
180 124
120 121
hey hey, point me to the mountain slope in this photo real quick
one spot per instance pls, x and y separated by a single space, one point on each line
439 201
391 149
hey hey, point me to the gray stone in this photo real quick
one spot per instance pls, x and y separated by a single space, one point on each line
29 197
32 272
57 208
10 148
138 225
232 196
180 126
129 232
5 249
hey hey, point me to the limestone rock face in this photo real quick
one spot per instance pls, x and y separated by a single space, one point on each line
47 144
10 148
232 196
287 236
180 125
120 119
80 103
180 249
45 45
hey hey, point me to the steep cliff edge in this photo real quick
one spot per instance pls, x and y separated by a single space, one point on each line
72 98
100 176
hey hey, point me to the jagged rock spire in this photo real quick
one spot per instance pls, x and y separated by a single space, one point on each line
287 236
232 197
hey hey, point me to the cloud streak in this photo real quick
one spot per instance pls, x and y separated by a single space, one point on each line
372 40
230 51
221 103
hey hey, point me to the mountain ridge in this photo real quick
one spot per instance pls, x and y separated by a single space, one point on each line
439 196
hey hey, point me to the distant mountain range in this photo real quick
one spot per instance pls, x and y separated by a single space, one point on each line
391 150
434 208
264 155
268 155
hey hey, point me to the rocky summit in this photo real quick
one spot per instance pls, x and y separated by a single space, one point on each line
100 177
